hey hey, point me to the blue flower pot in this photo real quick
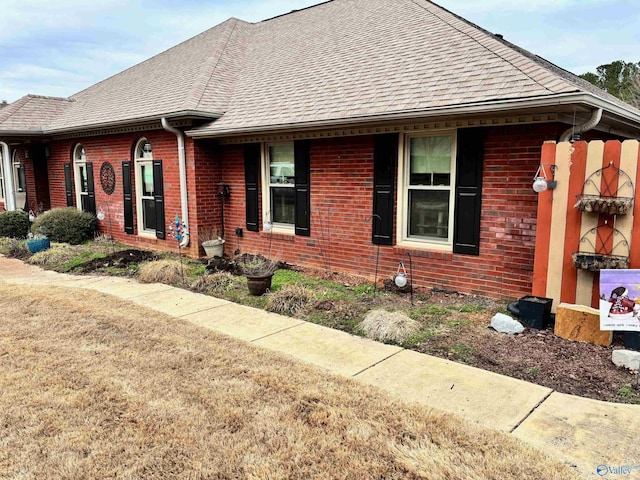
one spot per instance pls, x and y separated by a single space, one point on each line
36 246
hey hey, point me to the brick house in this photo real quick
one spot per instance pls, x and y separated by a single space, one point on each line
345 126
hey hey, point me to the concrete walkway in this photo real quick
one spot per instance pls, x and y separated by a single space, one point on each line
583 432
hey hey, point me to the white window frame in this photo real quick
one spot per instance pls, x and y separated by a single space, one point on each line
286 228
139 160
2 185
79 160
16 164
402 224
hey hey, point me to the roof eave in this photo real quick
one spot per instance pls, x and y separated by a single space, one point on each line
573 98
181 115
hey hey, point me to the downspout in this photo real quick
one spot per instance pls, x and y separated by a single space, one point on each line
182 164
7 167
596 116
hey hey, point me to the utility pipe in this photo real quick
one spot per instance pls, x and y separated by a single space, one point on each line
596 116
182 164
9 187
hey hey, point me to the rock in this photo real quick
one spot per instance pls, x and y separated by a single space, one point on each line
505 324
626 358
582 324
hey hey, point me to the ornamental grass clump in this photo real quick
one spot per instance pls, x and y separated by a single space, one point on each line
214 283
161 271
66 225
291 299
17 249
58 254
389 326
14 224
256 266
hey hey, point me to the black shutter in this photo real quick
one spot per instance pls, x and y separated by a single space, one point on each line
91 191
385 156
302 155
128 197
158 196
470 152
68 184
251 176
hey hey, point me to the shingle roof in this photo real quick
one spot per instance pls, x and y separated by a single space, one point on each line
342 59
32 113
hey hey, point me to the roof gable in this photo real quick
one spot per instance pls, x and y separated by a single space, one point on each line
32 113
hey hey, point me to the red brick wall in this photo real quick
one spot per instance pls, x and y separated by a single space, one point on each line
116 149
342 181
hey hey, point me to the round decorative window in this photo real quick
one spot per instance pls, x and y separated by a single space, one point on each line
107 178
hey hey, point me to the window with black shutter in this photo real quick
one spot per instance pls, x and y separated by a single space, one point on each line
158 196
68 184
302 153
128 197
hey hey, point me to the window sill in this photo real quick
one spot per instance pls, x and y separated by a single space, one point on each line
148 235
425 250
287 234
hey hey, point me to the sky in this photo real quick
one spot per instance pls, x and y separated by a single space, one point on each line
60 47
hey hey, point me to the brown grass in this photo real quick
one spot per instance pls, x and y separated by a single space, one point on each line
161 271
94 387
291 300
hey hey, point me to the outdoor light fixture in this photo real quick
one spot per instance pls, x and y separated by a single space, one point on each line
401 274
224 190
540 181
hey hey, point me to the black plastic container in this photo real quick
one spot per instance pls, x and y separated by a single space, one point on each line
535 312
632 340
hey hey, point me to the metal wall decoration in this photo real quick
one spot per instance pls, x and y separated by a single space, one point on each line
615 192
107 178
600 243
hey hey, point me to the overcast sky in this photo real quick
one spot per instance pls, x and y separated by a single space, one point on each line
59 47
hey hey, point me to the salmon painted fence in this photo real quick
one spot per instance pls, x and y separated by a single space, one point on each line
590 169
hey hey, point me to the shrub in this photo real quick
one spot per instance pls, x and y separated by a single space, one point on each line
389 326
292 300
214 283
161 271
14 224
66 225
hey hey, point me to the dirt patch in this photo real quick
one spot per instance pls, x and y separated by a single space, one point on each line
117 260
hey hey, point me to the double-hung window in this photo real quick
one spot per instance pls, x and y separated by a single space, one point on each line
279 194
145 195
428 188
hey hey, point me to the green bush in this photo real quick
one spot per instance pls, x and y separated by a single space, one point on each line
14 224
66 225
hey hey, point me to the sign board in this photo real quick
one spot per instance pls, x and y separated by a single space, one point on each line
620 300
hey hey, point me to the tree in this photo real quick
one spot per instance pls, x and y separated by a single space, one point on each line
619 78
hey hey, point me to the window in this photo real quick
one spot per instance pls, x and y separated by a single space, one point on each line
428 188
1 178
80 177
145 194
279 191
19 182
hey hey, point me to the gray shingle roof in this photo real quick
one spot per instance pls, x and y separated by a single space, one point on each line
343 59
32 113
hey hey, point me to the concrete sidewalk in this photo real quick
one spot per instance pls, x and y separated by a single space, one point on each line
583 432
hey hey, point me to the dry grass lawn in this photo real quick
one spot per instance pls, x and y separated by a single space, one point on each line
94 387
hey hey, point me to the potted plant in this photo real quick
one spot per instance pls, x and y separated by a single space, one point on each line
259 272
212 243
38 242
535 312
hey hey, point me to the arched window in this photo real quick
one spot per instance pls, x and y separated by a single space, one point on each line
83 177
19 181
145 191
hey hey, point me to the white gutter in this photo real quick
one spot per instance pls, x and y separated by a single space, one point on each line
182 164
567 99
596 116
9 187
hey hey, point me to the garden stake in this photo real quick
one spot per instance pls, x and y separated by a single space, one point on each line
178 233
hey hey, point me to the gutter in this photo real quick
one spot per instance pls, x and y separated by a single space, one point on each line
596 116
9 191
182 164
587 99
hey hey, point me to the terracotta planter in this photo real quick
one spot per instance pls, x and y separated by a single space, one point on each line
258 285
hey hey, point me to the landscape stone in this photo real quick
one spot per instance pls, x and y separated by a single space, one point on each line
626 358
582 324
505 324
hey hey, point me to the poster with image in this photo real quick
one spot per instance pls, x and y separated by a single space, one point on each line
620 300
